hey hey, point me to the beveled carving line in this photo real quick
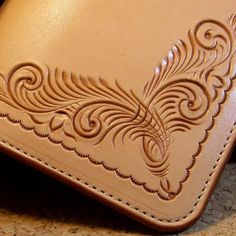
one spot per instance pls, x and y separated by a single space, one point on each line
186 88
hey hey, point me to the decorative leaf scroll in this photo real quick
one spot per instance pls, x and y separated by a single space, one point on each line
191 81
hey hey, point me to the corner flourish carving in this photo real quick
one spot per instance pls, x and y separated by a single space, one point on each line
190 82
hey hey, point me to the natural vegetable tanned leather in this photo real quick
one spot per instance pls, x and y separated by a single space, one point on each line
103 96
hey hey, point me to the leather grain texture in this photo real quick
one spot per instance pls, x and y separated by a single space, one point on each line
83 98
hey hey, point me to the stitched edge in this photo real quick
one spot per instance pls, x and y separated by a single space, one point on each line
98 163
230 28
132 207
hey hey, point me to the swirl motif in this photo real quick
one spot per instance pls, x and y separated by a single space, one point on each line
88 127
23 81
183 92
213 35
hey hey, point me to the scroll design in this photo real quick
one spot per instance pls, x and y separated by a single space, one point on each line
190 82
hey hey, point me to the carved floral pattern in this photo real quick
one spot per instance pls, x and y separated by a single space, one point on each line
186 86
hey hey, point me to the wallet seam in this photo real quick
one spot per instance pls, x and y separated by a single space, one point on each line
127 204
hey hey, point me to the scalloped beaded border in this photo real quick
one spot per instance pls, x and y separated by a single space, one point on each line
145 213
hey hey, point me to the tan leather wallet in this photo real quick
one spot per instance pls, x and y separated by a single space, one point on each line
132 102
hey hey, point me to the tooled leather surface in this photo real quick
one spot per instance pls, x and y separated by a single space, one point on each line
132 207
188 88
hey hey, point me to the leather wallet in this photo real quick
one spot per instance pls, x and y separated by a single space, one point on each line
132 102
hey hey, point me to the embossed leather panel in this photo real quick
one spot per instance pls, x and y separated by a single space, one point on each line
82 97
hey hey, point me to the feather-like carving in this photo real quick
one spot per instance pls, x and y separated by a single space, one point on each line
186 86
92 107
189 78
